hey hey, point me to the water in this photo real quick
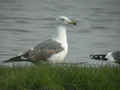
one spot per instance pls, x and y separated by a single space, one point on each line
25 23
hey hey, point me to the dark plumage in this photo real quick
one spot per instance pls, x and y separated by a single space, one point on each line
98 57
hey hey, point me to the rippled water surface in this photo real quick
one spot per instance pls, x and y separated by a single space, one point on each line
25 23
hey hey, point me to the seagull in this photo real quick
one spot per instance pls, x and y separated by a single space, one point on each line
53 50
112 56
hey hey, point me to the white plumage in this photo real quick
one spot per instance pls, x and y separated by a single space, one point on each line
52 50
62 39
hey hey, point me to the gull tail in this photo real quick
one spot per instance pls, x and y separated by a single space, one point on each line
15 59
98 57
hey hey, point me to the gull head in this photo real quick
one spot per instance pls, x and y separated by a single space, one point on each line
66 20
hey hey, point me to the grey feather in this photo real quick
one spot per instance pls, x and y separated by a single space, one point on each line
40 52
43 50
116 55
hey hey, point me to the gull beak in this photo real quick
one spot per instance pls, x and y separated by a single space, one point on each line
72 22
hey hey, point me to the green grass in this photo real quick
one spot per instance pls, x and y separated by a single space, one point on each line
54 77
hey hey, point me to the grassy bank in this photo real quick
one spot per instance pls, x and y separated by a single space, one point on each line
51 77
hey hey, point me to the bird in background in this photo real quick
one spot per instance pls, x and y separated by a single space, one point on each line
112 56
